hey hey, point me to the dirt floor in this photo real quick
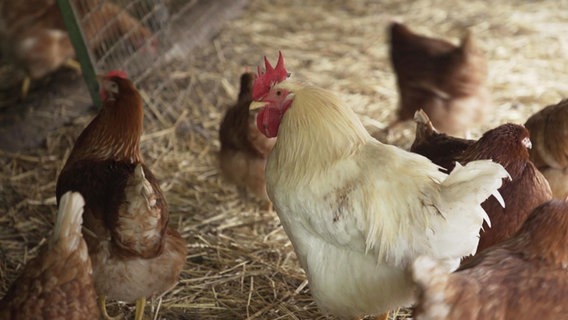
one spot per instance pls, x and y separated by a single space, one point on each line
241 264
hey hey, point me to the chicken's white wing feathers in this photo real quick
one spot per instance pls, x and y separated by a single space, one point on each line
461 196
396 205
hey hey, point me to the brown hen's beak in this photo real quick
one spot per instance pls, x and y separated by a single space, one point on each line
257 105
527 143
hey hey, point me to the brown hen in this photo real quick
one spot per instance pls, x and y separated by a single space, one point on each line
447 81
507 145
135 254
549 132
524 278
244 149
34 38
58 283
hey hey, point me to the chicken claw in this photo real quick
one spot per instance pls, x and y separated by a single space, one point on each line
26 83
73 64
102 305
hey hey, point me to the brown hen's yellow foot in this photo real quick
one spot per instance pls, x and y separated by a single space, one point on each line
73 64
140 304
384 316
102 305
25 87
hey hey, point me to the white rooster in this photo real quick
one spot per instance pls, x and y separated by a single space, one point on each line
357 211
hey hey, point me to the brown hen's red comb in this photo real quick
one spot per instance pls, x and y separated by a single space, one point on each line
117 73
271 76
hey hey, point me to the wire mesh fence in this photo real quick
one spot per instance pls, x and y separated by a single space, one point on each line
132 35
123 34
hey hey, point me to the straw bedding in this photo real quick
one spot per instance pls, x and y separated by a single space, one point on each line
241 264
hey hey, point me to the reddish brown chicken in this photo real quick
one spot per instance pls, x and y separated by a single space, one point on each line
447 81
549 133
507 145
244 149
524 278
33 38
58 283
135 254
440 148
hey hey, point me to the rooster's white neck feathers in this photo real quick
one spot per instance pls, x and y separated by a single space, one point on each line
317 126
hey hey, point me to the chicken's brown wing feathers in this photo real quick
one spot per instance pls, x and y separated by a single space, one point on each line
142 216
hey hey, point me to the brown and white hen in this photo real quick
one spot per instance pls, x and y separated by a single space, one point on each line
58 283
135 254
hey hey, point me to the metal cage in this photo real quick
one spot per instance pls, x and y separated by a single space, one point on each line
138 35
126 34
129 35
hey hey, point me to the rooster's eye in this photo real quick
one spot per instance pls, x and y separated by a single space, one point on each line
278 93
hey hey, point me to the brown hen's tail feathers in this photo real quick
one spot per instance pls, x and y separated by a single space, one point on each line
69 218
424 127
421 118
431 280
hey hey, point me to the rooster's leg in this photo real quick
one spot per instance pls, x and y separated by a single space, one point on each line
140 304
102 305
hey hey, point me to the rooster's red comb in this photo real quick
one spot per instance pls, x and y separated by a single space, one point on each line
265 81
116 73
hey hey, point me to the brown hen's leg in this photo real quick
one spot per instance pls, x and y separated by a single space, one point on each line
140 304
384 316
25 87
73 64
102 305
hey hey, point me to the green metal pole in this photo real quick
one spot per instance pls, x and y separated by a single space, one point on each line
81 50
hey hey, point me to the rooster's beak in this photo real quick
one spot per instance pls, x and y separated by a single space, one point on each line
257 105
